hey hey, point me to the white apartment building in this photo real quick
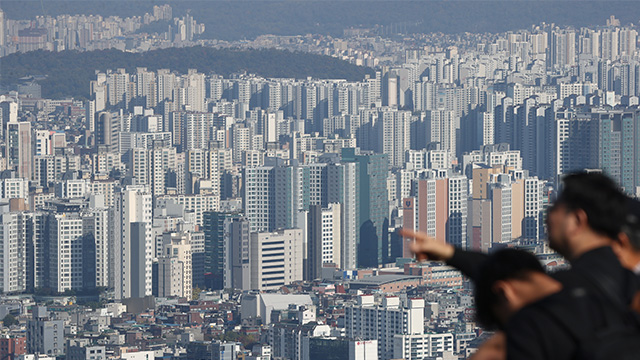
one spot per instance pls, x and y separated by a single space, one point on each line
175 271
368 320
99 223
139 165
160 160
133 243
324 238
106 188
420 346
198 204
256 197
14 188
12 260
66 270
74 188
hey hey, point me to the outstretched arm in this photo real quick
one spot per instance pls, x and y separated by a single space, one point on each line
427 248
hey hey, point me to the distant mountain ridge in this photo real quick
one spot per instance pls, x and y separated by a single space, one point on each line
234 20
69 72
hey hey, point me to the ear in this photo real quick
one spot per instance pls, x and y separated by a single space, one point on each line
618 245
504 290
578 220
581 217
622 241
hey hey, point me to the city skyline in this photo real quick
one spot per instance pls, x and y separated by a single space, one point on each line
197 211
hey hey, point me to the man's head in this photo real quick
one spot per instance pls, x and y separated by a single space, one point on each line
627 245
589 210
509 280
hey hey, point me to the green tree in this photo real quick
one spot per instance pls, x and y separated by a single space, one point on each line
10 320
196 293
67 73
244 339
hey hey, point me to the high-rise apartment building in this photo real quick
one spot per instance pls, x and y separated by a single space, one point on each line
507 205
438 207
66 252
133 243
324 239
14 232
18 148
107 130
373 206
175 270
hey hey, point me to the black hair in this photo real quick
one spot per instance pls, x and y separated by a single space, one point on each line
599 197
506 264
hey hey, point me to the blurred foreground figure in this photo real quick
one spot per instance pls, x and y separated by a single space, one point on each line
543 320
495 348
583 224
627 245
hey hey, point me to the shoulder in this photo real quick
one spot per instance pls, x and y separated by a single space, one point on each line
537 313
542 330
560 313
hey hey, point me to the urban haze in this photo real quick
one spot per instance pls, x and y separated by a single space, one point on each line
227 179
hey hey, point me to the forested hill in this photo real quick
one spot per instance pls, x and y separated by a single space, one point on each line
69 72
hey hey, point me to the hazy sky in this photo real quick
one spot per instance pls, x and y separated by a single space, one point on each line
240 19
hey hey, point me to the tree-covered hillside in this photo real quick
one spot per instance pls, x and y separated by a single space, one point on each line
69 72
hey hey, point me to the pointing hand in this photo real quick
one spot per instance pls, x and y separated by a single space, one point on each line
427 248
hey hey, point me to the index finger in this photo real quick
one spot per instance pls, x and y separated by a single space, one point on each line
418 235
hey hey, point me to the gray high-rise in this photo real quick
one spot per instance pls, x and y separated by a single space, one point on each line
372 232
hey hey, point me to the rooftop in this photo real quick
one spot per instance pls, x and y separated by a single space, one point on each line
383 279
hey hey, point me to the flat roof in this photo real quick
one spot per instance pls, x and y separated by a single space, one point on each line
384 279
282 301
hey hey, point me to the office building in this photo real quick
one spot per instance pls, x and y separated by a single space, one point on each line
276 258
372 229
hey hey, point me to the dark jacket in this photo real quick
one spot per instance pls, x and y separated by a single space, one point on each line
535 332
601 260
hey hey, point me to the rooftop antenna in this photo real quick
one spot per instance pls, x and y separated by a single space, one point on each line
42 6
